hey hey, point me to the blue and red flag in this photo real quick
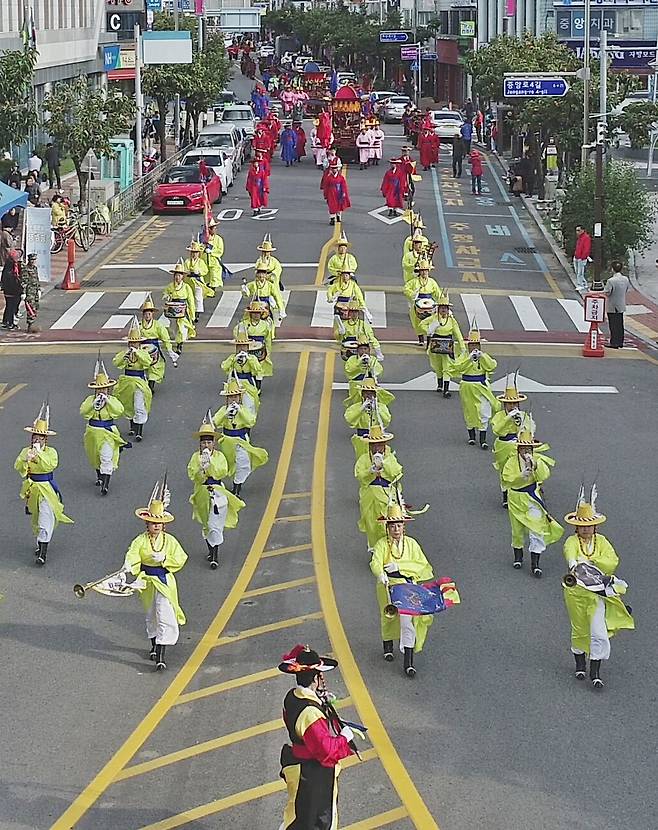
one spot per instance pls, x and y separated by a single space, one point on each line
428 598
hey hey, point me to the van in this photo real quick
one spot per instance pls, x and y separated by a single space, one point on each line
227 138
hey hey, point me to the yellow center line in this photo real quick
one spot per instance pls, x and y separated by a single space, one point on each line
267 629
379 821
280 586
301 518
235 800
95 789
395 769
304 495
289 549
228 685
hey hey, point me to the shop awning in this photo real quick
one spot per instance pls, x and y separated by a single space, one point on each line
11 198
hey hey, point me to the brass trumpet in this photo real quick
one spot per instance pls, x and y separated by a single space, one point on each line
81 590
569 580
390 610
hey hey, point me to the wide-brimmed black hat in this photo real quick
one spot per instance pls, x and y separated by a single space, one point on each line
303 658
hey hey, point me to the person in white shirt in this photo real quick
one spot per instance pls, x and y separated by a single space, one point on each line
34 163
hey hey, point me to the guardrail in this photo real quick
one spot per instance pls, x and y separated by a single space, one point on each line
135 198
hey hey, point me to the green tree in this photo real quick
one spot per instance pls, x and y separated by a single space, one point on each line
629 211
83 118
18 115
637 121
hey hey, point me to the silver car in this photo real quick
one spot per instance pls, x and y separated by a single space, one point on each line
394 108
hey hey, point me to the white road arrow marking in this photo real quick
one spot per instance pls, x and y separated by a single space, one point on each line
427 383
509 258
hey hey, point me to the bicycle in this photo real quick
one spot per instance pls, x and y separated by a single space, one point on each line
82 234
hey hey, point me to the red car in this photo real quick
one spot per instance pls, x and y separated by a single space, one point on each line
181 189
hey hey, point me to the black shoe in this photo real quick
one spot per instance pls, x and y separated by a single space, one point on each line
339 218
518 558
152 385
594 668
160 664
41 556
138 430
446 389
421 339
505 499
471 437
178 348
214 558
236 489
209 554
409 669
580 666
388 651
196 319
131 431
534 565
99 478
105 484
332 221
153 652
483 440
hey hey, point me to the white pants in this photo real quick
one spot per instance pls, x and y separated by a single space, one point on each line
485 413
599 643
579 266
216 521
141 416
161 621
407 632
536 542
198 297
46 521
249 403
242 465
106 458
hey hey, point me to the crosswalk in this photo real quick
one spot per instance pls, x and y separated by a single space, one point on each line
108 311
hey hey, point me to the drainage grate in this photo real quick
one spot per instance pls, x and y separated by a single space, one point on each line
525 249
93 283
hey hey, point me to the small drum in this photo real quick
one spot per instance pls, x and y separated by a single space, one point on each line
267 307
442 345
153 350
424 307
175 309
348 349
261 353
341 311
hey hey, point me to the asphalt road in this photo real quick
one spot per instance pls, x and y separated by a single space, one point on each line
494 732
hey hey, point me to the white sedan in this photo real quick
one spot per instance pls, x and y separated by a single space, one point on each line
447 124
217 160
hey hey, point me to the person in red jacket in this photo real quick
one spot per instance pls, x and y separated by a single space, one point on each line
476 172
319 741
262 139
258 186
335 192
301 139
581 256
393 187
428 144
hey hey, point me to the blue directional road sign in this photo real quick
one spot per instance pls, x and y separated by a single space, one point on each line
535 87
393 37
414 67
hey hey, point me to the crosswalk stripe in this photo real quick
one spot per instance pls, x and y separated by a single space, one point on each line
77 311
527 313
225 309
323 312
117 321
134 300
574 309
376 303
476 310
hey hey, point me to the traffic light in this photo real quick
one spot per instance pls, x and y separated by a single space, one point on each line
601 132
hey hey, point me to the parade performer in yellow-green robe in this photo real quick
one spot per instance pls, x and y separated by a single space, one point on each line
474 368
180 307
213 506
505 425
411 258
36 465
398 558
132 388
445 343
155 336
361 365
342 262
377 472
255 327
422 293
213 253
102 439
263 289
155 556
596 612
353 325
523 476
196 276
245 366
236 421
363 414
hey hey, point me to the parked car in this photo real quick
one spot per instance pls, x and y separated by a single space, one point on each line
241 115
266 50
394 108
181 189
246 143
225 137
379 98
447 124
215 158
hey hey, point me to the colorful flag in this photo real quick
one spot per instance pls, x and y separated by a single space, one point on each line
429 598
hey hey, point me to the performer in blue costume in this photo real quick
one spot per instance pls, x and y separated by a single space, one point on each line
289 145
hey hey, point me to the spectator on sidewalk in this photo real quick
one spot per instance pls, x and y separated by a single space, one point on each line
616 288
6 244
30 280
467 135
52 160
58 212
12 287
34 164
457 157
14 179
10 221
581 256
32 190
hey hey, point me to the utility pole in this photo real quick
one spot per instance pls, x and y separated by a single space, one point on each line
382 4
177 96
414 29
603 92
139 101
586 81
599 204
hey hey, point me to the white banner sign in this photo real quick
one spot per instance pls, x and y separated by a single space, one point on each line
38 237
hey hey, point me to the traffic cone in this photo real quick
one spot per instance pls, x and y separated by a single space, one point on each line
594 342
70 282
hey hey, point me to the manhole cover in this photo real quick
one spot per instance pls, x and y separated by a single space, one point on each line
525 249
93 283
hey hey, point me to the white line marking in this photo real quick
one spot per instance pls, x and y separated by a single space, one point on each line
134 300
376 302
574 309
77 311
225 309
323 312
527 312
475 308
232 266
118 321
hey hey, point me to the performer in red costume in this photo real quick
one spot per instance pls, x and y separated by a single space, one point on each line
325 129
394 187
428 144
336 194
310 764
262 139
258 186
301 139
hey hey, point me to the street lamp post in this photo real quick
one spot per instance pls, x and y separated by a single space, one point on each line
586 62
